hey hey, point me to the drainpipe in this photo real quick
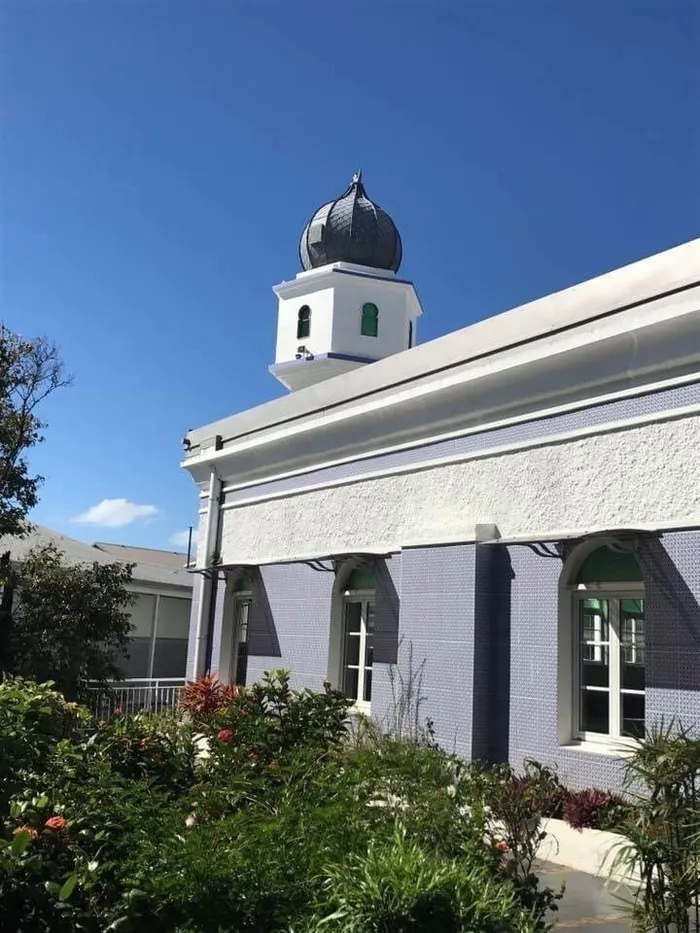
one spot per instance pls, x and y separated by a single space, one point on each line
204 556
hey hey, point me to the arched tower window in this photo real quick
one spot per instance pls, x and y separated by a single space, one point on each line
370 320
304 322
410 334
608 646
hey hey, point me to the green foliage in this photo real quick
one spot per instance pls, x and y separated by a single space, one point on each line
29 371
397 886
71 623
662 830
258 817
33 719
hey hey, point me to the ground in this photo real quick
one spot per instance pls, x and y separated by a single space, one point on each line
587 901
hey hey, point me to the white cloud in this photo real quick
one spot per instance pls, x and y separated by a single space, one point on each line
115 513
180 538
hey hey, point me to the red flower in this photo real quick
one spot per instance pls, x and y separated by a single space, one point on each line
55 822
225 735
25 829
117 710
502 846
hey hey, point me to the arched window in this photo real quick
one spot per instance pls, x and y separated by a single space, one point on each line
304 322
608 646
242 602
410 334
357 638
370 320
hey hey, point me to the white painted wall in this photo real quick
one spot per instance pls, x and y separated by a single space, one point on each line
336 299
618 477
320 339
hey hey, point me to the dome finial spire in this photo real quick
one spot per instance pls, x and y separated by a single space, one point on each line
353 229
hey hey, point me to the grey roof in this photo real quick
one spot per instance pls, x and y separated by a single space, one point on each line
351 229
171 560
146 571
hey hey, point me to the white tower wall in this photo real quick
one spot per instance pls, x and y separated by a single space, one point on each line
335 295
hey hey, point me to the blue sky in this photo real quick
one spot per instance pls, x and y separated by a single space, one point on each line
158 159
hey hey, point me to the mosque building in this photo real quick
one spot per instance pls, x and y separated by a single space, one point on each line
504 521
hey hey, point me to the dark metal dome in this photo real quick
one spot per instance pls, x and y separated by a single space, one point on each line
351 229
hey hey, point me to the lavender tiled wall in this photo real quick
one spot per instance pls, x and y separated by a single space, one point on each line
290 624
437 630
533 717
480 627
672 590
537 428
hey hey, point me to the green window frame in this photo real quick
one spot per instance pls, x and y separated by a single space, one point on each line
369 326
304 322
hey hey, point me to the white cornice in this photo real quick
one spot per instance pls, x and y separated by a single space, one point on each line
624 352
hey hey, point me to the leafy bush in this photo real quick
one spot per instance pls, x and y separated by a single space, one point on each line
592 809
33 719
397 886
121 826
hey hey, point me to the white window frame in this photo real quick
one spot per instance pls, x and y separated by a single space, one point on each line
365 598
614 593
243 600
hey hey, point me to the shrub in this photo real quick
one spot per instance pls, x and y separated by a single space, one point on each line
158 747
399 886
592 808
33 719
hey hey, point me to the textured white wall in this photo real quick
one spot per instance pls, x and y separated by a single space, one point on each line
351 293
320 338
639 475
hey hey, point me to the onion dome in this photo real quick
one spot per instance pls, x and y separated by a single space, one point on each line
351 229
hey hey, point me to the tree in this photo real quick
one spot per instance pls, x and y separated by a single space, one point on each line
30 370
71 623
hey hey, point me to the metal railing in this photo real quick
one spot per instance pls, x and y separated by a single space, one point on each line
137 694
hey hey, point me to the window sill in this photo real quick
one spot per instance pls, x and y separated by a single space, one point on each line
360 709
612 749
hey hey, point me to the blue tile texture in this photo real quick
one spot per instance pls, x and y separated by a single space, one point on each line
672 591
436 638
537 428
475 630
290 624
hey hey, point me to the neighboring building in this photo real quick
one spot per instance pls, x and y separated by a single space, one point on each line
513 508
162 588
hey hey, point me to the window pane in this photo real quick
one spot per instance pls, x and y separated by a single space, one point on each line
633 715
173 617
352 649
594 634
142 612
136 665
369 616
595 711
242 616
350 684
170 658
368 686
241 664
353 615
632 643
369 652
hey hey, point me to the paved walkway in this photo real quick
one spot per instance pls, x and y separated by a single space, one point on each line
587 902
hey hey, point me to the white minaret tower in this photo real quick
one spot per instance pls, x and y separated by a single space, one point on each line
347 308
